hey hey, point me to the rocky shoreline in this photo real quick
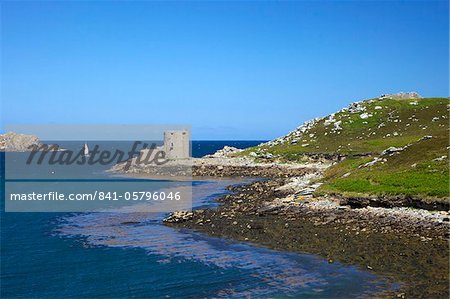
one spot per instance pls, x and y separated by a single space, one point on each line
271 171
221 166
270 197
409 246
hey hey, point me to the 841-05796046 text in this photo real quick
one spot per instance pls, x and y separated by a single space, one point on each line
99 195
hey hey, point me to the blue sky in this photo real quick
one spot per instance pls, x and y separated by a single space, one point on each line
232 70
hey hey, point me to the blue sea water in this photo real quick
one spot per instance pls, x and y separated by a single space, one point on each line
110 255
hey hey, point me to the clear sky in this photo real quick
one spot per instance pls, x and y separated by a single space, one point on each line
232 70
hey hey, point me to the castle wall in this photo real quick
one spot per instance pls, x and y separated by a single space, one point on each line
176 144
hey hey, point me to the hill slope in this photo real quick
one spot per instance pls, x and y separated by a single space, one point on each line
393 147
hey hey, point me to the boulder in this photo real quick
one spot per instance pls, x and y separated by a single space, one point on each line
391 150
179 216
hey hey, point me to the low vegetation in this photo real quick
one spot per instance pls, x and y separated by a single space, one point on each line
416 132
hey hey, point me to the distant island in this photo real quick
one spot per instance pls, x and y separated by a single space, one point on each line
13 142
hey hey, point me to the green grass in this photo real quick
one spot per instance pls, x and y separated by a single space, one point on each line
411 183
412 172
363 135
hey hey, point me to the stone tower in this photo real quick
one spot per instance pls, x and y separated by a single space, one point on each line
176 144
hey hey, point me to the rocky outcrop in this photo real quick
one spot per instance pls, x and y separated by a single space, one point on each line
391 150
335 123
227 151
13 142
294 136
402 95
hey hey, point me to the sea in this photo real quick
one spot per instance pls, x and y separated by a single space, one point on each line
122 255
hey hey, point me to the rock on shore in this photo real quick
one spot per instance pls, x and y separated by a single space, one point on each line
179 216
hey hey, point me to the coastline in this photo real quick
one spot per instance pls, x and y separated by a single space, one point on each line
404 244
378 243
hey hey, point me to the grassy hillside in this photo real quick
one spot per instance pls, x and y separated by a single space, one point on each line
362 132
421 170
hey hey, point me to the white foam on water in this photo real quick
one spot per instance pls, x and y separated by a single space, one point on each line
277 272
